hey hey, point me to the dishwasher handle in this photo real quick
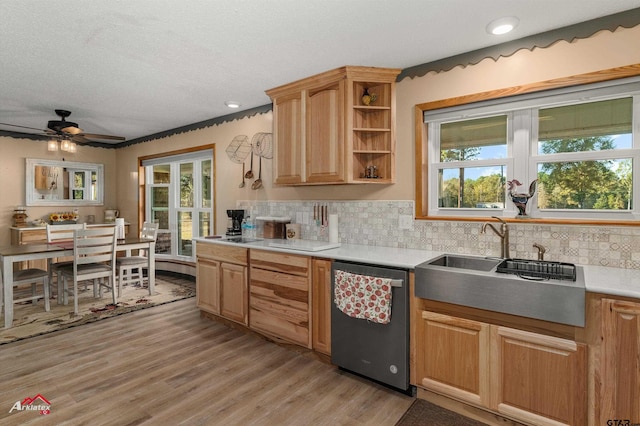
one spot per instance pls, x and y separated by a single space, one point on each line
396 283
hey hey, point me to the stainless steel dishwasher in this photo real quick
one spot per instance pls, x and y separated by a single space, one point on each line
371 349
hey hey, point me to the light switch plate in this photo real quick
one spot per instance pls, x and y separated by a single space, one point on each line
405 221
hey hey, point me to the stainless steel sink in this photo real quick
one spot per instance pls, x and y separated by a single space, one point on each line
476 282
465 262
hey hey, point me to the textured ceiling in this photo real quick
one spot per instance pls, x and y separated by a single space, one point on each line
137 67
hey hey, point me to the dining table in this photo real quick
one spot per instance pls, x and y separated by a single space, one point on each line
20 253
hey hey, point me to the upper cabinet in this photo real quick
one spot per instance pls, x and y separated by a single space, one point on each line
336 127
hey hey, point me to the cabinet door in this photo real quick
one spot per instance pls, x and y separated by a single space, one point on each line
324 142
288 131
453 356
620 363
233 292
538 379
208 285
321 297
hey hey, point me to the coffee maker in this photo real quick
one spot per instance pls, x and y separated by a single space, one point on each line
234 223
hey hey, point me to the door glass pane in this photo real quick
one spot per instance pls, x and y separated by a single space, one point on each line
205 224
185 233
186 185
472 187
206 184
163 243
160 196
160 206
162 173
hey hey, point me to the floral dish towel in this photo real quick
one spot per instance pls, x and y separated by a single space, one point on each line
363 296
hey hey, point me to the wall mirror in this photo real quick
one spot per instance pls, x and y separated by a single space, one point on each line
63 183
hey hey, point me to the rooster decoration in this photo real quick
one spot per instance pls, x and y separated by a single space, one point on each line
519 199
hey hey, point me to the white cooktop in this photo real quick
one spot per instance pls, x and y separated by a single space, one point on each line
304 245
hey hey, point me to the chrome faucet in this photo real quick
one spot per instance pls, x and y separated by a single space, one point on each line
503 234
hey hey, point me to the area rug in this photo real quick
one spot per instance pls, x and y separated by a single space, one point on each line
31 319
424 413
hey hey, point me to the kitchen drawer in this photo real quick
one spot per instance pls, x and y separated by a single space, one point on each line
281 262
279 305
223 253
35 236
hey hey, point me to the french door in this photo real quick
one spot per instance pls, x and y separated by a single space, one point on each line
179 197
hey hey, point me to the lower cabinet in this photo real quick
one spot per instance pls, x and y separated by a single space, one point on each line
321 296
538 379
531 377
280 296
619 367
222 282
208 285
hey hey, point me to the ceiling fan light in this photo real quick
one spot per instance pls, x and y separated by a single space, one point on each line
64 145
72 130
72 147
52 145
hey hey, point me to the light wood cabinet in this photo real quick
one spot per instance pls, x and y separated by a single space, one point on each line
321 311
325 134
222 282
453 356
280 296
528 376
208 285
538 379
618 389
287 128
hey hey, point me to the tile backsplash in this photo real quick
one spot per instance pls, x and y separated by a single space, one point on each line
377 223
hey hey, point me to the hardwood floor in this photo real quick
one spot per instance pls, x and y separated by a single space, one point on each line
167 365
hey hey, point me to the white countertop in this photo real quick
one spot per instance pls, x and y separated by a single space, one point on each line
598 279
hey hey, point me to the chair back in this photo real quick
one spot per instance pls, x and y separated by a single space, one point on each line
57 233
149 231
96 245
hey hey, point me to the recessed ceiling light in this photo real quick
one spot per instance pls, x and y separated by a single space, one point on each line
232 104
502 25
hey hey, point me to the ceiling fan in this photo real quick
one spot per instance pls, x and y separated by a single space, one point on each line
69 130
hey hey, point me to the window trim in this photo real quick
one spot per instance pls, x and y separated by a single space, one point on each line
422 132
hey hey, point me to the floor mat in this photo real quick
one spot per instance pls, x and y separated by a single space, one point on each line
31 319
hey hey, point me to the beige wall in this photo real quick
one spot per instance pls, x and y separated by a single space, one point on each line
13 153
602 51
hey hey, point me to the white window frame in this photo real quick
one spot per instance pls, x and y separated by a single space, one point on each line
174 161
522 139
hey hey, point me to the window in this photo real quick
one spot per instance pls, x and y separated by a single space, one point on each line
179 197
580 144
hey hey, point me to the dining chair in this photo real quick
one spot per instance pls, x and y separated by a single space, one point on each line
128 264
59 234
94 258
33 276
